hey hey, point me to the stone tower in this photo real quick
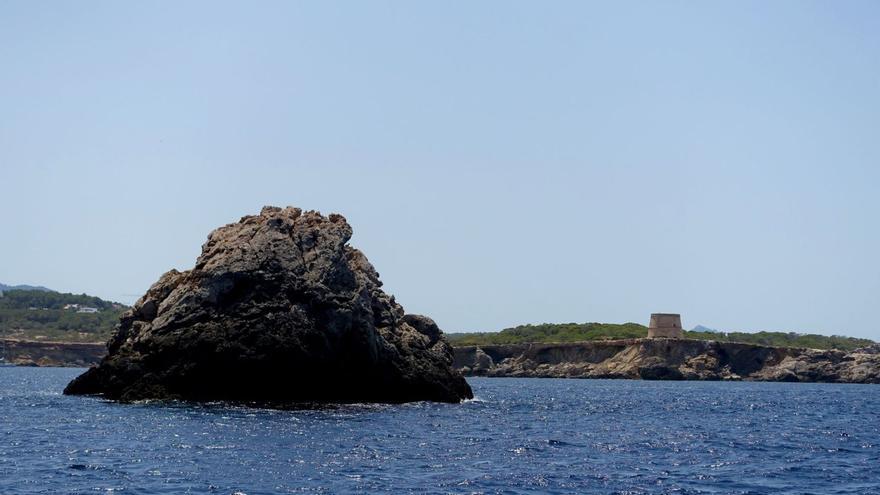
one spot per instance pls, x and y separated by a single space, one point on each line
665 325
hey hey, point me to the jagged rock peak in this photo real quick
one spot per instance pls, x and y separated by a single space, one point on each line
277 308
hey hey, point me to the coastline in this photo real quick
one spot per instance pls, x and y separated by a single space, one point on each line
633 359
51 353
669 359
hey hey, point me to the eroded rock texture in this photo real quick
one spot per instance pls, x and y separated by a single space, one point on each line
278 309
670 359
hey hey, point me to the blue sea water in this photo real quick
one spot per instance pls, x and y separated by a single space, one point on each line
518 436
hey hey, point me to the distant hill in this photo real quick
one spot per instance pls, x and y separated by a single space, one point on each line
53 316
701 328
4 287
578 332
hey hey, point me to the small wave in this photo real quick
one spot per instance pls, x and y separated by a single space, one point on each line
561 443
218 447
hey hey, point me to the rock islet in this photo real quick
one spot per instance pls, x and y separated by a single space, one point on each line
277 309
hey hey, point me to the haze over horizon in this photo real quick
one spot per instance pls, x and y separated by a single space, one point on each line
500 163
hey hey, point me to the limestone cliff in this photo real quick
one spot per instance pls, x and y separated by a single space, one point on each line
278 308
669 359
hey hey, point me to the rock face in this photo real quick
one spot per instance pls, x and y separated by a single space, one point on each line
679 359
278 309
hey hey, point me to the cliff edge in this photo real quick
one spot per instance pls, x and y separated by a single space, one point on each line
670 359
278 309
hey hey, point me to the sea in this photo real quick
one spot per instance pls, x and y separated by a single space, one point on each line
517 436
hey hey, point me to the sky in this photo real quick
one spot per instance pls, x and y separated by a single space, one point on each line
501 162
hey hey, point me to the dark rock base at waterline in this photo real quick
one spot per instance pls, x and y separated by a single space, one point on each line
257 388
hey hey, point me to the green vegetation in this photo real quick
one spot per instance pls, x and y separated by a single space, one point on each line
785 339
41 315
551 332
579 332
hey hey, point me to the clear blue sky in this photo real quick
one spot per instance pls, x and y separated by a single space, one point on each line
500 162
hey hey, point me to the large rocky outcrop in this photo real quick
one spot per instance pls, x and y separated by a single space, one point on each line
670 359
278 309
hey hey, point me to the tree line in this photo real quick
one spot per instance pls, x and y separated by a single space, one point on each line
579 332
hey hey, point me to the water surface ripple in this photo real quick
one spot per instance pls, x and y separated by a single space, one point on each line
518 436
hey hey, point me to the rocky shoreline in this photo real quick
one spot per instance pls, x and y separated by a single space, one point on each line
43 353
669 359
647 359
